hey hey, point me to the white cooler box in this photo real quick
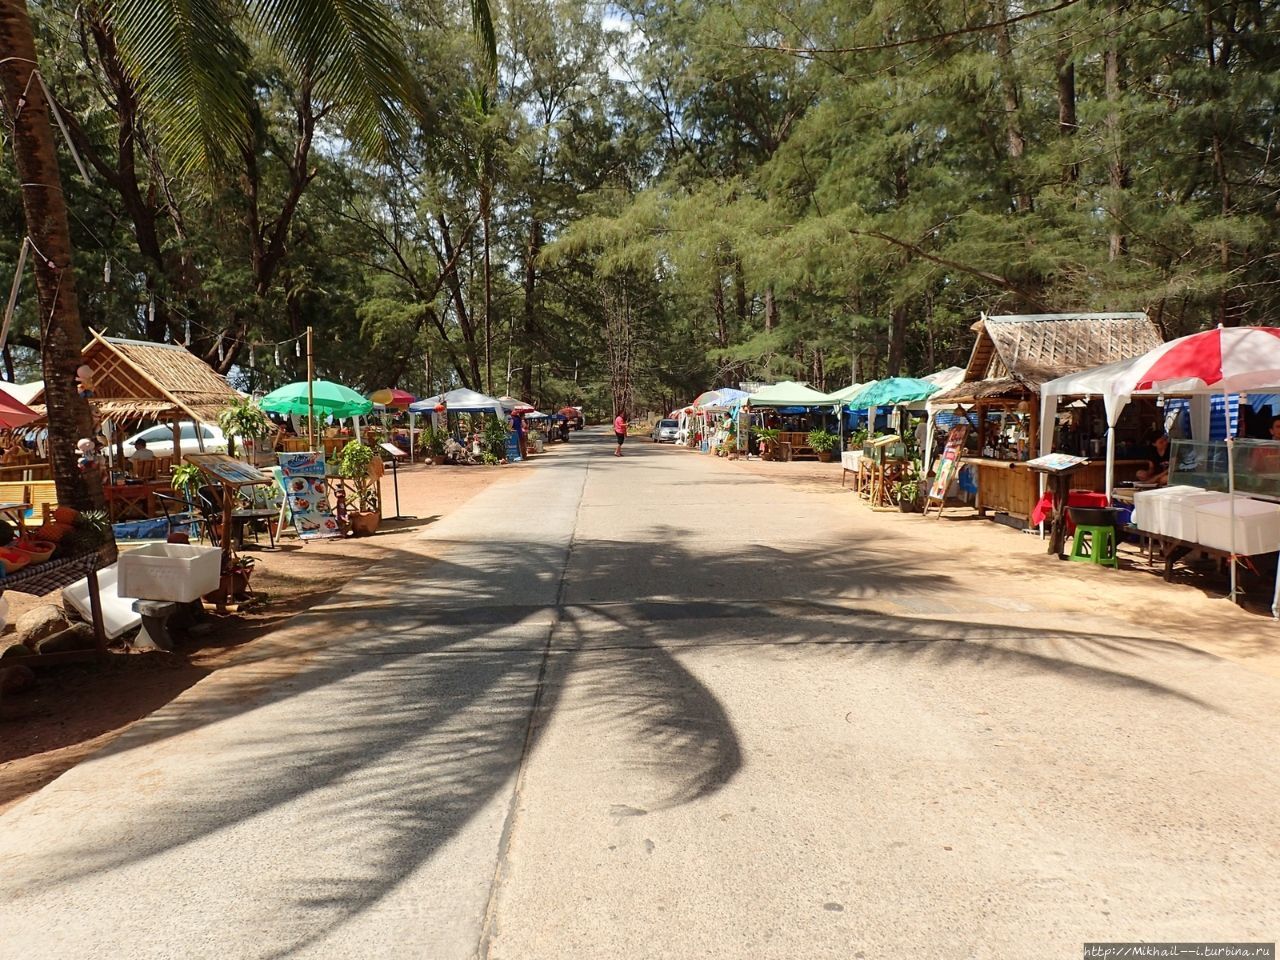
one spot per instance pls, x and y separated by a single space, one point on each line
181 572
1257 526
1179 512
1150 512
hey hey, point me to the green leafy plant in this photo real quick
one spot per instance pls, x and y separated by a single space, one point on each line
354 461
489 458
433 441
244 420
495 439
823 441
186 478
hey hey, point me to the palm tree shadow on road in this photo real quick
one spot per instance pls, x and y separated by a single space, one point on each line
382 724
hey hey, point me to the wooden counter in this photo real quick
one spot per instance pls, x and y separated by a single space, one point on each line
1007 486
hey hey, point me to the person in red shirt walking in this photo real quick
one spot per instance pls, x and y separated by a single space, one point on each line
620 430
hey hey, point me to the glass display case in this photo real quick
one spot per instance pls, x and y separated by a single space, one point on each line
1203 464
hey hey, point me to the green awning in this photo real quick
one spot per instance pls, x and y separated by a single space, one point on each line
788 393
845 395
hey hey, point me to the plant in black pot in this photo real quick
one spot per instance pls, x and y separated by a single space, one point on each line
355 463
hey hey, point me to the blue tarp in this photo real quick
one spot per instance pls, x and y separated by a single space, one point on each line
154 529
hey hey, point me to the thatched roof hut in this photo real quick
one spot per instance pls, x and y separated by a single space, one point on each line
1013 355
135 380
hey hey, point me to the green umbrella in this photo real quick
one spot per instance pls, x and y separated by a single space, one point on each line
331 399
894 390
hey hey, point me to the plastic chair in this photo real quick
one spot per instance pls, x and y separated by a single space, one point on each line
1095 545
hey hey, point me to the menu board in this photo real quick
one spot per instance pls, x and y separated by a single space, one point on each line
949 463
1056 463
228 469
308 493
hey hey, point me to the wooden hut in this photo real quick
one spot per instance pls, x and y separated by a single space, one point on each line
136 382
1011 357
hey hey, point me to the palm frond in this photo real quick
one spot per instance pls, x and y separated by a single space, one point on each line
482 24
351 49
187 61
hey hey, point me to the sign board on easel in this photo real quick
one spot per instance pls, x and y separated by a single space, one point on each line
948 466
307 491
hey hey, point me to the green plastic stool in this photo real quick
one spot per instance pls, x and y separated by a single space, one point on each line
1095 545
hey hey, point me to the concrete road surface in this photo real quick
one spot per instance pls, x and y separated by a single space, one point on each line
658 706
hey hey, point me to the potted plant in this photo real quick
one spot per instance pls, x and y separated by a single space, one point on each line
495 440
434 441
186 480
243 419
908 494
239 571
768 439
823 442
354 463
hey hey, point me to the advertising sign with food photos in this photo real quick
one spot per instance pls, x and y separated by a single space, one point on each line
308 492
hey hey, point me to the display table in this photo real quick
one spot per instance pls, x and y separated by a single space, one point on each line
850 462
1007 486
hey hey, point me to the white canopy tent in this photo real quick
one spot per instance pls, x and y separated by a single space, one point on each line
1101 382
461 400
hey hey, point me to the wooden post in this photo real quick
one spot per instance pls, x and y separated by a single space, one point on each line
311 395
95 611
224 581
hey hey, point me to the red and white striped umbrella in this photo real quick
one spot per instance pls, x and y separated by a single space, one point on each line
1224 360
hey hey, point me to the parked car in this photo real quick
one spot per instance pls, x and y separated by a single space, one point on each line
666 431
160 440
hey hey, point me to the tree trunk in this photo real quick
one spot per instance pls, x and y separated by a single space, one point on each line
44 206
717 307
1117 169
530 305
488 295
1067 123
1017 144
770 308
897 341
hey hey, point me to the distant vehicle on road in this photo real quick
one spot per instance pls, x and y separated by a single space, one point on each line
666 431
574 417
160 440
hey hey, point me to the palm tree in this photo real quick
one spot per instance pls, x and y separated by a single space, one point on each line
187 60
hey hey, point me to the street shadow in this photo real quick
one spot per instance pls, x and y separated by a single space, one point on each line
387 720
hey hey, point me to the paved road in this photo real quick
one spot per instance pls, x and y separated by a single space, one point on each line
658 706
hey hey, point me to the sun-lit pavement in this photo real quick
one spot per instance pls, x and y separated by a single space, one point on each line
658 706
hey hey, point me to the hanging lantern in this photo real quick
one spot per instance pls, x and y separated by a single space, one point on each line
439 408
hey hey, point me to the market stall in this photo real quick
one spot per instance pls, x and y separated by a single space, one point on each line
1012 357
134 382
792 406
1221 361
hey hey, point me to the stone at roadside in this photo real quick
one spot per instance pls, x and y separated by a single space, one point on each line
16 651
40 622
78 636
16 678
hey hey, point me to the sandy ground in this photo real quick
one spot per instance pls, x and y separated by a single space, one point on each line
995 558
76 709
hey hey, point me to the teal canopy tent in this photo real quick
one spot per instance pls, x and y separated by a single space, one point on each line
891 392
331 399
